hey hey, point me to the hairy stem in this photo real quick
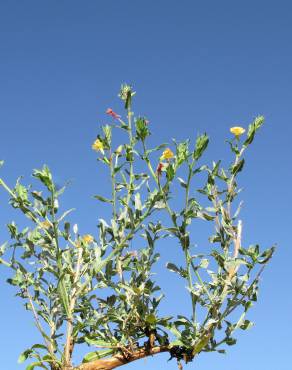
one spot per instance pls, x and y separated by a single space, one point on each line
113 180
131 176
38 323
69 339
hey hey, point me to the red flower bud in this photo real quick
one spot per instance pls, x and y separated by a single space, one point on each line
159 168
110 112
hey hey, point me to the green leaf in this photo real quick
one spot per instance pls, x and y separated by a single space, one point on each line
103 199
205 216
64 296
138 204
34 364
66 213
266 255
201 344
182 182
157 148
234 263
230 341
107 130
150 319
142 130
24 356
246 325
201 145
170 172
21 192
39 346
171 327
239 322
45 176
172 267
149 239
66 230
252 129
238 167
182 152
97 342
12 229
92 356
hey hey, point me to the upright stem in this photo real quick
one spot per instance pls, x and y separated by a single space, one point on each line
187 254
67 361
131 161
38 323
191 166
190 281
232 178
186 251
69 344
113 185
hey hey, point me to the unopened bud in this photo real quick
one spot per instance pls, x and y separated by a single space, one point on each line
75 228
119 149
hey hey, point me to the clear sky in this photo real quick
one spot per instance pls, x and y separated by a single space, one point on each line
196 66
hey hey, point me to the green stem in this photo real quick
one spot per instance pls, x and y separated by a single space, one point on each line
67 360
189 183
190 281
187 254
6 187
130 188
38 324
113 185
232 178
69 344
201 281
156 179
2 262
147 160
55 227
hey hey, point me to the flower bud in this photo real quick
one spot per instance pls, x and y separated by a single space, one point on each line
75 228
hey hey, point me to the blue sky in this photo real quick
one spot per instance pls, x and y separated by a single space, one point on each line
196 66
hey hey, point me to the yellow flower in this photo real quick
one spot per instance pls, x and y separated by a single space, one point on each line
45 224
87 239
237 131
97 145
167 154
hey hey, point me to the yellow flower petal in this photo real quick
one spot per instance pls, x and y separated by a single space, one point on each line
45 224
237 130
167 154
97 145
87 238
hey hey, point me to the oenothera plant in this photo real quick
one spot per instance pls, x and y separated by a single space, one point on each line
98 290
